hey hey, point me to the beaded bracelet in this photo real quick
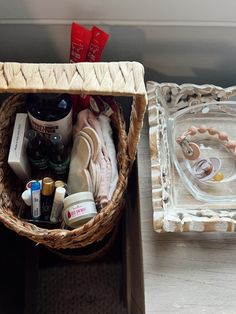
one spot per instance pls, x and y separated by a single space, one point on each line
204 169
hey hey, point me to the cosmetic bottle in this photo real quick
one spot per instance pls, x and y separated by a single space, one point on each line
50 113
36 151
58 156
35 200
47 198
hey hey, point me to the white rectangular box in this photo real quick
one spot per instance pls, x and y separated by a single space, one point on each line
17 158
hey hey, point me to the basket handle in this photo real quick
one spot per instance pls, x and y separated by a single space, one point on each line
101 78
136 122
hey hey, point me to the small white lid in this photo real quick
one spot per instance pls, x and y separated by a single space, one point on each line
26 196
78 197
59 193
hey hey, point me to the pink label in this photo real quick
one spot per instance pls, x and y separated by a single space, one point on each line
80 209
74 213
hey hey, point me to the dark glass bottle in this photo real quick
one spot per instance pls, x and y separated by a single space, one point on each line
58 156
50 113
36 151
47 198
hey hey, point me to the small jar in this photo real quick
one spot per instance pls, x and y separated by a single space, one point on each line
79 208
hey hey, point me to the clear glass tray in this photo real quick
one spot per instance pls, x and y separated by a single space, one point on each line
193 193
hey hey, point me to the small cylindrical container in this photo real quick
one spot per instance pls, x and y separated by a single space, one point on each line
35 200
36 150
47 197
57 205
58 156
78 209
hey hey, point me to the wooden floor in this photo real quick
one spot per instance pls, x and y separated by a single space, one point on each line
182 273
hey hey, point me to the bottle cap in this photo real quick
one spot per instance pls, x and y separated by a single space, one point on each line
48 186
78 197
59 183
35 186
56 141
60 194
47 96
31 134
33 137
28 184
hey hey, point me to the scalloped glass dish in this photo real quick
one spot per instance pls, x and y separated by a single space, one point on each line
192 140
210 176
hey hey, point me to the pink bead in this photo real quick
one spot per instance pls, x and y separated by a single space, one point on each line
192 130
223 136
212 131
202 129
179 140
231 144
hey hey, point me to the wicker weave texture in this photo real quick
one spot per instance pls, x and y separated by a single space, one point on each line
123 79
116 78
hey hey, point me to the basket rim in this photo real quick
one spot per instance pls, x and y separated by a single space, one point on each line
124 78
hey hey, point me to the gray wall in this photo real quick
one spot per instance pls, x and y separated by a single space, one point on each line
177 41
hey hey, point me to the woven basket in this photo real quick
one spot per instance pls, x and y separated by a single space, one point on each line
117 79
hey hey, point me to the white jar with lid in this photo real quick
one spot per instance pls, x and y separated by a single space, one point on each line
79 208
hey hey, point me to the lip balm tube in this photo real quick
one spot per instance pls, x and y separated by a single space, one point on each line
47 198
57 206
35 200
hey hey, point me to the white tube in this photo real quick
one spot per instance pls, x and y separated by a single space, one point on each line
57 206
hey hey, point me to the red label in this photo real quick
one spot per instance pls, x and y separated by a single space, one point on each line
80 39
97 44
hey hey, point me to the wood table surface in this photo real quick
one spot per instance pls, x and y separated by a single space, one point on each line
180 272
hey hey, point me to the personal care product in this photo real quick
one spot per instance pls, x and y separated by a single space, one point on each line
51 113
58 156
36 151
17 158
35 200
57 206
97 43
80 39
96 46
47 197
79 208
